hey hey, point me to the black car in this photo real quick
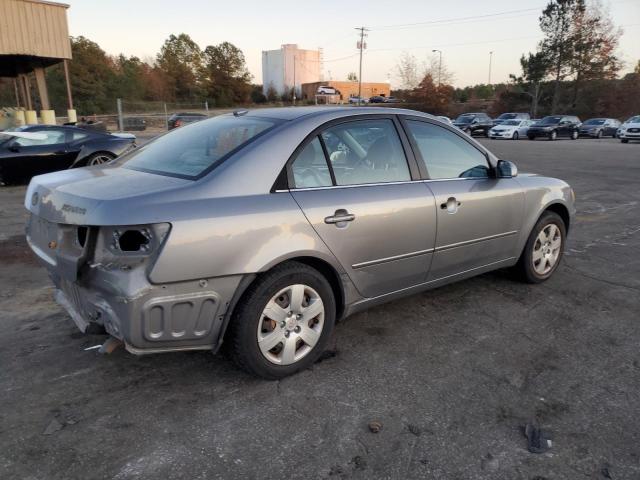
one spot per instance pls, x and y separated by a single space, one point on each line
35 149
511 116
179 119
599 127
377 99
471 123
555 126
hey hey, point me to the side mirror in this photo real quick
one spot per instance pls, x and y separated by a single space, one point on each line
506 169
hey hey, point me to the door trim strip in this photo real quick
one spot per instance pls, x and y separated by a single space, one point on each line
475 240
402 256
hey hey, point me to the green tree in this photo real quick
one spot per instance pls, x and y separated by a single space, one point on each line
534 70
228 80
556 24
180 58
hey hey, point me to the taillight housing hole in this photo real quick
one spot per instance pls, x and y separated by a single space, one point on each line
82 233
133 241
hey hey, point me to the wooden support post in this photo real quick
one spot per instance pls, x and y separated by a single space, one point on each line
15 88
26 90
42 88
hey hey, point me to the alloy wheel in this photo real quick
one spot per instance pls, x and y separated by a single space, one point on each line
546 249
99 160
290 324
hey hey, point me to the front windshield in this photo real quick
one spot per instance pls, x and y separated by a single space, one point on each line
196 149
511 122
595 121
464 119
507 116
635 119
550 120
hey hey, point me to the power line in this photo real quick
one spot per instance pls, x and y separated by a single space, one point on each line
447 20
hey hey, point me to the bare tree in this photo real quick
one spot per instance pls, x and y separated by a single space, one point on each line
408 71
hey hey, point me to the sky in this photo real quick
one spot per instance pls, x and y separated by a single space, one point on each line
508 28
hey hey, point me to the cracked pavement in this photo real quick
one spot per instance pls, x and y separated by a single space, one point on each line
451 374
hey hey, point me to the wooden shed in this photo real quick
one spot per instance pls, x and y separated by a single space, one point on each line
33 35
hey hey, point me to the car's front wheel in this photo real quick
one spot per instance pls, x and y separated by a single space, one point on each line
543 250
283 322
624 140
553 135
575 134
515 136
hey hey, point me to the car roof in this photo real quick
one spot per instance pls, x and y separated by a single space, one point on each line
293 113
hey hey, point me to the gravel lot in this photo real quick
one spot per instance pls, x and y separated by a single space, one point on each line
451 374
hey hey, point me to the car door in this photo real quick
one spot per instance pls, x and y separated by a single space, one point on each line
28 157
353 182
479 216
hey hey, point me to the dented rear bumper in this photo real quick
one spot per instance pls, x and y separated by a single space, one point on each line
115 292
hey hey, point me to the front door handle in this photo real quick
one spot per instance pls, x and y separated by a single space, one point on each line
341 215
451 205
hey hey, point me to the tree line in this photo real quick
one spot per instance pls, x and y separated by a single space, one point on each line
573 70
181 72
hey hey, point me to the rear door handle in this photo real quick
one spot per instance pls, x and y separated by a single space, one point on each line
341 215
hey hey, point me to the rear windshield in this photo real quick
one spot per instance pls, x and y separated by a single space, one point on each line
550 120
511 122
464 118
196 149
595 121
507 116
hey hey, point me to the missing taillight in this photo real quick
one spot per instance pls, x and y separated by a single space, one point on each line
132 241
82 233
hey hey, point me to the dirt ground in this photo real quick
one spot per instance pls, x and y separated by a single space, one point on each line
451 374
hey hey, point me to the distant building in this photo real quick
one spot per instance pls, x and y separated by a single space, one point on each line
289 66
347 89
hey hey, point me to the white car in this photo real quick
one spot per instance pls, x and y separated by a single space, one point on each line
326 90
446 120
630 130
511 129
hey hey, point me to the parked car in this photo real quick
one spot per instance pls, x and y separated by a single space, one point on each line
326 90
472 123
511 116
36 149
599 127
131 124
555 126
179 246
377 99
179 119
356 99
512 129
630 129
392 100
446 120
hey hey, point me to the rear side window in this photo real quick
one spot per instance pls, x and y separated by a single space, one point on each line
51 137
366 151
198 148
310 167
445 154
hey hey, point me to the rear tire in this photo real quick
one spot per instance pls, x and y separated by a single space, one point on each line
544 249
574 135
553 135
531 137
267 316
624 140
98 158
599 134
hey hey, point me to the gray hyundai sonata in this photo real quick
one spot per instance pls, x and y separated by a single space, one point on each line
263 228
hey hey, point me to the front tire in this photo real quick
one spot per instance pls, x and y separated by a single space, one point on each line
531 137
515 136
544 249
624 140
574 135
283 321
553 135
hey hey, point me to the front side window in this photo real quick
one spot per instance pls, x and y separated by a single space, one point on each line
445 154
194 150
310 167
366 151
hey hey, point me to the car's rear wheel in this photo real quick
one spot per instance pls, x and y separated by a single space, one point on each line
515 136
624 140
553 135
574 135
543 250
531 137
283 322
467 131
99 158
599 134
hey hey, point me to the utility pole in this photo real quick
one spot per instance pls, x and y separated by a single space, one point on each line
490 58
361 45
439 64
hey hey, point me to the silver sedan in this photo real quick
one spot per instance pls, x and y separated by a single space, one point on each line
263 228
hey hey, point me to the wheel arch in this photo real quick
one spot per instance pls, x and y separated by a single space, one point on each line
83 156
561 210
324 267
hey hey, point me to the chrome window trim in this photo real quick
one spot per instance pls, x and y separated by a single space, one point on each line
402 256
331 187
